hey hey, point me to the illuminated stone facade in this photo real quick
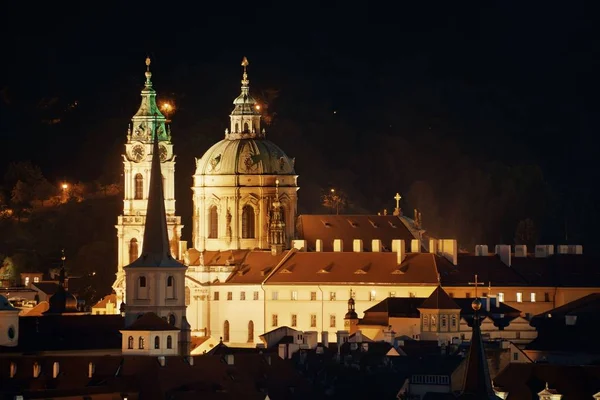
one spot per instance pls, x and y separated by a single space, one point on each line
136 175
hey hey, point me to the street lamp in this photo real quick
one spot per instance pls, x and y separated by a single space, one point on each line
65 187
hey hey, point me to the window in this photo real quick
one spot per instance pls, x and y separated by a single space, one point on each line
237 127
313 296
26 280
226 331
142 281
546 296
468 295
433 322
130 342
413 294
213 222
294 320
169 342
36 279
171 319
444 321
256 296
187 296
250 331
141 343
139 187
246 127
170 280
332 321
392 294
294 295
156 342
248 222
274 321
331 296
133 250
515 356
453 319
170 287
426 322
519 297
274 295
313 320
242 296
533 297
372 295
216 296
229 295
501 297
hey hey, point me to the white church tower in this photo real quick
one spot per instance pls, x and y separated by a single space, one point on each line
155 280
236 182
137 161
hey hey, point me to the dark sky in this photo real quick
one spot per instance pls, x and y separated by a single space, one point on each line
511 81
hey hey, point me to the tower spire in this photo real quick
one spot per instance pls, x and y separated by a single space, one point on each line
276 225
148 73
156 247
245 118
245 81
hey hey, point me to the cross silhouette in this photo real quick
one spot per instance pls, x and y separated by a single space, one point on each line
476 283
397 197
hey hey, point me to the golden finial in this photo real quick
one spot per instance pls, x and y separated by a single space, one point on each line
148 63
63 257
245 80
245 62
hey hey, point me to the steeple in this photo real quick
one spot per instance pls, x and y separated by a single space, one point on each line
477 383
148 119
156 250
245 117
276 225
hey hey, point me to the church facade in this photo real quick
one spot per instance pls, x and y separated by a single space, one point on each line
255 265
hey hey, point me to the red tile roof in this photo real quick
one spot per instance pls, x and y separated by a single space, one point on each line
350 227
356 268
150 322
255 267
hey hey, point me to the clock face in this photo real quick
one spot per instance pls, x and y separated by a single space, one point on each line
163 153
138 152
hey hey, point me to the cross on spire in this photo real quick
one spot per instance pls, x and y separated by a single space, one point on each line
476 283
397 197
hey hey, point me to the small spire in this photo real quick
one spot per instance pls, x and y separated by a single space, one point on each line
245 81
148 73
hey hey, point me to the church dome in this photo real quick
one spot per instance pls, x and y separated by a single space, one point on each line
250 156
62 302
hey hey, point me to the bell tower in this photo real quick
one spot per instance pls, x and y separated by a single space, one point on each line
147 122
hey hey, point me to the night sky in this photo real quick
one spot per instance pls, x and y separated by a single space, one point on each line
370 99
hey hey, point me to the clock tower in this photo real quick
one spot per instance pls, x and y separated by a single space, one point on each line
137 162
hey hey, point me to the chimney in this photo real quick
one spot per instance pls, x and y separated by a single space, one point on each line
481 250
357 245
376 245
338 245
415 246
182 248
299 244
55 369
310 339
399 249
449 249
388 335
318 245
342 337
520 250
229 359
575 249
433 246
503 251
162 361
325 338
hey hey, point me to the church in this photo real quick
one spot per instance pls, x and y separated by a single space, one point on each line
254 265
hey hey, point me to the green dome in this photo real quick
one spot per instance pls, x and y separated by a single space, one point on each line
250 156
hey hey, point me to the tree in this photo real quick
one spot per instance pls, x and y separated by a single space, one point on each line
21 198
335 200
526 233
44 190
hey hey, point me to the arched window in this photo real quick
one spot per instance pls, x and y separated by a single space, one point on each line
187 296
130 342
133 250
156 342
139 187
213 222
237 127
226 331
246 127
172 319
250 332
141 343
453 319
247 222
142 281
169 342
